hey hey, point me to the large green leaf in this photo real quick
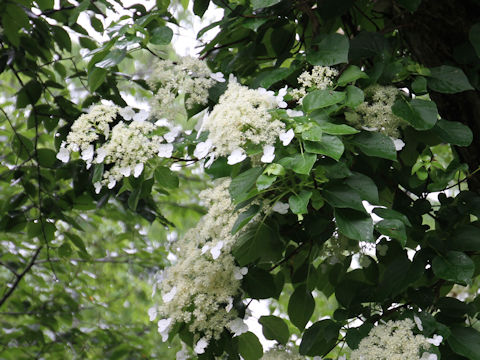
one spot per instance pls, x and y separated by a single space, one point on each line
322 98
166 178
162 35
260 4
299 163
466 238
240 185
448 80
455 266
257 242
249 346
330 146
331 50
96 76
364 186
355 96
275 328
300 307
454 132
354 224
200 6
113 58
393 228
336 129
465 341
259 284
421 114
351 74
375 144
319 338
298 203
342 196
245 217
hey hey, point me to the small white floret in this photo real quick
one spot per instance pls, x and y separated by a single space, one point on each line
281 93
101 154
142 115
87 154
111 183
63 155
268 154
237 326
202 149
218 76
138 170
286 137
237 156
399 144
205 248
165 150
98 187
200 346
125 171
164 328
239 273
436 340
216 250
127 113
280 207
418 322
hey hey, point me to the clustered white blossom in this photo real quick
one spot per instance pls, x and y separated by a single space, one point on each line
242 117
188 76
394 340
282 353
126 146
199 288
375 114
320 78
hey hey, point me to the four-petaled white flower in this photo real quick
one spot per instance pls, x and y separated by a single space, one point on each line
280 207
237 326
125 171
200 346
436 340
399 144
218 76
138 170
268 154
127 113
239 273
237 156
165 150
202 149
111 183
169 296
63 155
286 137
164 328
101 154
216 250
87 154
172 134
281 93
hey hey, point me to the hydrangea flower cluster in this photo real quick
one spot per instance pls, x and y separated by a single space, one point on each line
242 117
126 147
375 114
320 78
394 340
200 287
188 76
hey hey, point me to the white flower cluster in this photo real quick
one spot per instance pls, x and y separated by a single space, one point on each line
188 76
242 117
199 288
394 340
127 146
320 78
375 114
282 353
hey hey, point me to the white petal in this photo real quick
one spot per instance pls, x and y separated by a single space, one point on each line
111 184
418 322
165 150
286 137
216 250
238 326
294 113
125 171
202 149
399 144
127 113
98 187
101 154
152 313
218 76
87 154
280 207
164 324
268 154
63 155
163 123
436 340
237 156
142 115
170 295
210 161
229 305
138 170
200 346
205 248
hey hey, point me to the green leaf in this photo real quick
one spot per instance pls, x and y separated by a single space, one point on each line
363 185
162 35
312 134
448 80
77 241
249 346
336 129
29 94
270 77
259 284
200 6
355 96
419 85
474 36
421 114
454 132
10 29
342 196
45 4
393 228
166 178
62 38
298 203
354 224
134 197
46 157
299 163
331 50
274 328
300 307
351 74
260 4
319 338
96 76
375 144
465 341
257 242
244 218
454 266
240 185
97 173
265 181
96 24
330 146
322 98
410 5
391 214
113 58
466 238
22 146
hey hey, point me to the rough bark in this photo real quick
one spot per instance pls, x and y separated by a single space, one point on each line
432 34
